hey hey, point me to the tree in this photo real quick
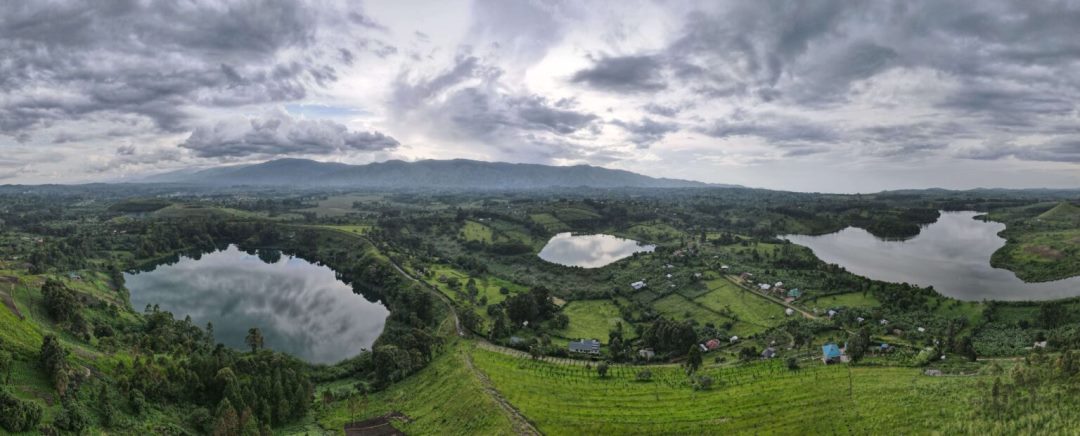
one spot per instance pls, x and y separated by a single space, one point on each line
17 415
857 345
6 364
966 348
644 375
792 364
1052 314
60 301
693 359
254 339
226 421
54 361
602 369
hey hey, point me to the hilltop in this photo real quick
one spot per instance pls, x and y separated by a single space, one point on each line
426 174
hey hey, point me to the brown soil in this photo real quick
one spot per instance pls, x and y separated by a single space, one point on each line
1044 252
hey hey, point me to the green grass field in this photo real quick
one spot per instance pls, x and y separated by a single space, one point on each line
474 231
443 398
677 307
852 299
549 222
753 309
593 319
761 398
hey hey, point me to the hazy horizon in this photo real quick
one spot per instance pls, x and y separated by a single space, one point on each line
810 97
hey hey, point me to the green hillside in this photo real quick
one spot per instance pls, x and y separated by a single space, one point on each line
1064 211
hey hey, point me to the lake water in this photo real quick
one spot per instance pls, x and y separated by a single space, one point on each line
590 251
300 307
952 255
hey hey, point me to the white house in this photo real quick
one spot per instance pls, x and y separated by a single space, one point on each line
765 286
639 285
789 311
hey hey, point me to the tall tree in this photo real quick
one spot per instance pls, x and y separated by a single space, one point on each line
254 339
693 359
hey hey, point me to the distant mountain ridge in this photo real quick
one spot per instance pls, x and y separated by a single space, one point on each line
425 174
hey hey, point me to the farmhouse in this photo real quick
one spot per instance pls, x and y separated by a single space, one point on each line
709 345
646 353
584 346
769 353
764 286
638 285
745 276
794 293
830 353
789 311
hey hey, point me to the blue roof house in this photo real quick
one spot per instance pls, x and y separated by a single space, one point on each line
830 353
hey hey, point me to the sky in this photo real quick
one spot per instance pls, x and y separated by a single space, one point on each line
830 96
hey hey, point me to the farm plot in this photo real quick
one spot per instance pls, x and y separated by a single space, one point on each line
573 399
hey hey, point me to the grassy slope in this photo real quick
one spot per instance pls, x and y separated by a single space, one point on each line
1040 247
761 398
443 398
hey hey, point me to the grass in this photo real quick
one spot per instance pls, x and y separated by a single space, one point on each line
443 398
359 229
725 296
852 299
474 231
341 205
593 319
549 222
677 307
763 397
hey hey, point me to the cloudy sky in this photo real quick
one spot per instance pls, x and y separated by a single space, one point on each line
817 95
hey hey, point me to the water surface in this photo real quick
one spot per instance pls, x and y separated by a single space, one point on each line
952 255
300 307
590 251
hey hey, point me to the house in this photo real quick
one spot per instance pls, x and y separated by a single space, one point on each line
1040 344
74 276
516 340
830 353
745 276
646 353
832 313
794 293
884 322
638 285
733 339
697 275
584 346
779 284
769 353
921 330
789 311
668 276
724 267
860 320
764 286
712 344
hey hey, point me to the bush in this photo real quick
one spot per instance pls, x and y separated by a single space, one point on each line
16 415
792 364
644 375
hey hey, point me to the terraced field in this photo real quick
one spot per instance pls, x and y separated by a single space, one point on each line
764 397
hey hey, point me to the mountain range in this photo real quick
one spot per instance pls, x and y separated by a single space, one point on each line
424 174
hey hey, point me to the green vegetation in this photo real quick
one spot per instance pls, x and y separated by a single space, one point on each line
1042 243
591 319
444 398
564 399
75 357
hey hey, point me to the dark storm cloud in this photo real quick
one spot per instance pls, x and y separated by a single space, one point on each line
158 60
281 134
625 73
647 131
